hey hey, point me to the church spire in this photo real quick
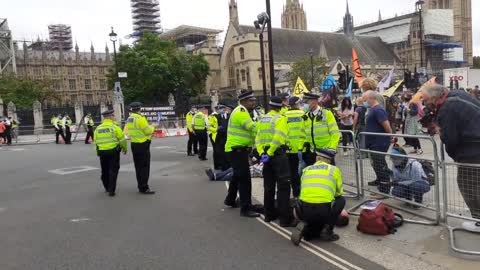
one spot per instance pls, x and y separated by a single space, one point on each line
348 28
294 16
233 12
379 15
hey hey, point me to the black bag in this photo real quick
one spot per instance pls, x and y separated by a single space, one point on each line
427 167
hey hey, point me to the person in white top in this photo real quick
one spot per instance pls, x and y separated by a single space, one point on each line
345 113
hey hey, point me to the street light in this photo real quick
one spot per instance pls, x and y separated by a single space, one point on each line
311 63
419 8
270 50
260 24
113 38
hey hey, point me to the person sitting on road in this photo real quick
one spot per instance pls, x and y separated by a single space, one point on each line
321 201
409 179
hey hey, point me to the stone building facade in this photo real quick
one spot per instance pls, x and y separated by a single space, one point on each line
294 16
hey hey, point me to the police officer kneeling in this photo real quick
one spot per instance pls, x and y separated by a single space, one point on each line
109 140
321 201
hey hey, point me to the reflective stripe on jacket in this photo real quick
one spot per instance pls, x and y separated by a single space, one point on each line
272 133
321 183
241 129
138 128
322 130
296 130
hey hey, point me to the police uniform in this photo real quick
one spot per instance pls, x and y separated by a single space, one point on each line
240 139
285 99
66 124
192 139
58 128
295 141
109 141
221 139
89 122
322 131
141 134
200 130
213 130
321 201
271 144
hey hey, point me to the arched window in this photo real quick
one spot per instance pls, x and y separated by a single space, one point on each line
231 69
244 75
238 76
242 54
249 80
260 77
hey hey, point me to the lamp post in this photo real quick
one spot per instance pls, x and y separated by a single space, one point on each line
419 8
260 25
113 39
270 51
312 82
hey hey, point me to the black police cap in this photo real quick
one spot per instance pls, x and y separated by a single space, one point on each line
248 94
135 105
310 96
294 101
275 102
108 112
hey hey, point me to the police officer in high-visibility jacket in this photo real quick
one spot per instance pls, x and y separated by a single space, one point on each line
192 140
200 130
321 128
285 102
271 144
240 139
321 201
212 127
109 141
295 141
66 125
141 137
88 122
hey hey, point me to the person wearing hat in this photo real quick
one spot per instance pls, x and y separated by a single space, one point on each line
321 128
271 144
222 119
200 129
285 102
109 141
66 124
212 128
192 139
141 136
56 122
88 121
321 201
295 141
240 139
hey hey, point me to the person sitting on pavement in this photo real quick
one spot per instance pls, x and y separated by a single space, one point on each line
409 179
321 202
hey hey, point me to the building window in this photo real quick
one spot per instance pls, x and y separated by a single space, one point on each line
86 70
37 71
71 71
244 77
56 85
72 85
260 77
103 84
88 84
73 99
89 99
54 71
238 76
242 53
101 70
249 81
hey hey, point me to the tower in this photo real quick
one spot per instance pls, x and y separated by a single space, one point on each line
60 37
462 22
293 16
146 15
233 8
348 23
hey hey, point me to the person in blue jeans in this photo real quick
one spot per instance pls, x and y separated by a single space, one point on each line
409 179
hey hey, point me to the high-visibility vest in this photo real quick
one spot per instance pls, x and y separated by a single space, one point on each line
241 129
90 122
213 125
138 128
322 130
296 130
199 122
321 183
109 136
52 121
68 122
283 110
272 133
189 121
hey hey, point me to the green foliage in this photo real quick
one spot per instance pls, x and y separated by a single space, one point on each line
476 62
157 68
303 69
23 92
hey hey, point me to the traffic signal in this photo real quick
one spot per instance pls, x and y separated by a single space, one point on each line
341 80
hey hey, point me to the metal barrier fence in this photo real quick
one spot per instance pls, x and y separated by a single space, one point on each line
419 198
346 160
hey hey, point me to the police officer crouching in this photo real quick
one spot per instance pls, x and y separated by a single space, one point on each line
271 143
321 201
109 140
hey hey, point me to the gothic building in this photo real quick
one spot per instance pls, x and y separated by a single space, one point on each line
293 16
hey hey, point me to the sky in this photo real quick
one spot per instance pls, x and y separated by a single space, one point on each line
91 19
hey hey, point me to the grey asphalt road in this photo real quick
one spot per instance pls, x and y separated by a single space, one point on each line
54 215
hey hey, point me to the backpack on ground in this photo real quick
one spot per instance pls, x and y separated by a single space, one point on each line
427 167
379 221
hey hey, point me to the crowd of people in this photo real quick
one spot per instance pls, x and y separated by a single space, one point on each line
8 130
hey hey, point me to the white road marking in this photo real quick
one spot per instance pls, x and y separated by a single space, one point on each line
163 147
73 170
17 149
75 220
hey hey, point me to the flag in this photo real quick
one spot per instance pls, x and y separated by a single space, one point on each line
418 95
349 89
300 88
385 82
392 89
356 67
328 83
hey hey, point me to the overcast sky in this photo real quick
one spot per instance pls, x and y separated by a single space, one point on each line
91 19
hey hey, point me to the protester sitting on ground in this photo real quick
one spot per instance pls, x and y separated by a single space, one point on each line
256 169
409 179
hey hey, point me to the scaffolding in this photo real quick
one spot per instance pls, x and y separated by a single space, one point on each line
7 49
146 16
60 37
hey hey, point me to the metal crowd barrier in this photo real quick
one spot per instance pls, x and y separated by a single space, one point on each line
346 160
461 183
430 205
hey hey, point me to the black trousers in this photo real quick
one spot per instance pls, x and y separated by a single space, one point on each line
294 163
222 158
316 216
380 167
276 177
192 142
8 135
141 159
216 159
89 134
110 164
59 132
68 135
346 137
202 138
241 180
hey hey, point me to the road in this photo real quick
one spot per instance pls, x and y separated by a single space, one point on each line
55 215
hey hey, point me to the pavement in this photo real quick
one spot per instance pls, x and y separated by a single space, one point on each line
55 215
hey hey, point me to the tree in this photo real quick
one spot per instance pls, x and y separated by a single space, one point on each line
157 68
476 62
303 69
23 92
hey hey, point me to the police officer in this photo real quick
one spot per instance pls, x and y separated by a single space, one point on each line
285 102
271 144
221 139
321 201
200 131
109 140
141 135
66 124
192 140
90 127
295 141
240 139
57 124
212 127
321 129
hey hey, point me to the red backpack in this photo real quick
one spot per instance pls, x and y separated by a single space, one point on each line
379 221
